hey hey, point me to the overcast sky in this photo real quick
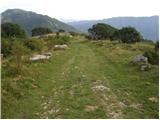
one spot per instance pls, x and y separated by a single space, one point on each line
85 9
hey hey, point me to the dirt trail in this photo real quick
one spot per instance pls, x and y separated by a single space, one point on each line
82 71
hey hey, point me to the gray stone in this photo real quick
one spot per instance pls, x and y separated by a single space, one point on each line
63 47
140 58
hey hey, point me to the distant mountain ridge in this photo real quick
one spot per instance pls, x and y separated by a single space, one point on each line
147 26
29 20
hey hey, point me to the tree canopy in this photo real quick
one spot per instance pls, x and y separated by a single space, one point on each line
129 35
41 31
101 31
12 30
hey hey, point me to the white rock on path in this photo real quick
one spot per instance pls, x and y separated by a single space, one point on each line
40 57
64 46
100 88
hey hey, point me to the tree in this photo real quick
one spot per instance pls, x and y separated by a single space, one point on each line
101 31
12 30
41 31
129 35
116 36
61 30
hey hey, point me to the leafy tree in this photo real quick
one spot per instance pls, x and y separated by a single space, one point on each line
41 31
101 31
12 30
61 30
116 36
129 35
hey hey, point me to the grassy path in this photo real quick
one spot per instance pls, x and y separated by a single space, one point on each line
83 82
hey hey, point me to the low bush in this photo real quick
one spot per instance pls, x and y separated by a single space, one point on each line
62 40
153 57
18 51
5 47
34 44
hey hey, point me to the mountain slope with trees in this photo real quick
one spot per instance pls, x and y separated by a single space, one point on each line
29 20
147 26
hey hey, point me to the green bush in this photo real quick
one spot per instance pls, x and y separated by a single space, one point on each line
157 46
62 40
34 44
18 50
5 47
50 42
153 57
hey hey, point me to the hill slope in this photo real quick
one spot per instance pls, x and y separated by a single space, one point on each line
29 20
148 26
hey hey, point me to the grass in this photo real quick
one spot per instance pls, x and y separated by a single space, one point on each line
62 86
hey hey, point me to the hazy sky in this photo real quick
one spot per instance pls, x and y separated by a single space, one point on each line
85 9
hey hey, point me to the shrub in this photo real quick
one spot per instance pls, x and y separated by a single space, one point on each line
62 40
73 33
34 44
18 50
157 46
6 47
153 57
50 42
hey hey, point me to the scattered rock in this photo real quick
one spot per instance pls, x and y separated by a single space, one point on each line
37 113
136 106
90 108
42 97
47 54
51 111
122 105
100 88
34 86
140 58
145 67
46 117
83 75
153 99
39 57
57 110
45 107
60 47
76 67
67 109
116 114
71 92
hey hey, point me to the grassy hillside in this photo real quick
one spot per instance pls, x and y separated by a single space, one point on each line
29 20
66 86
